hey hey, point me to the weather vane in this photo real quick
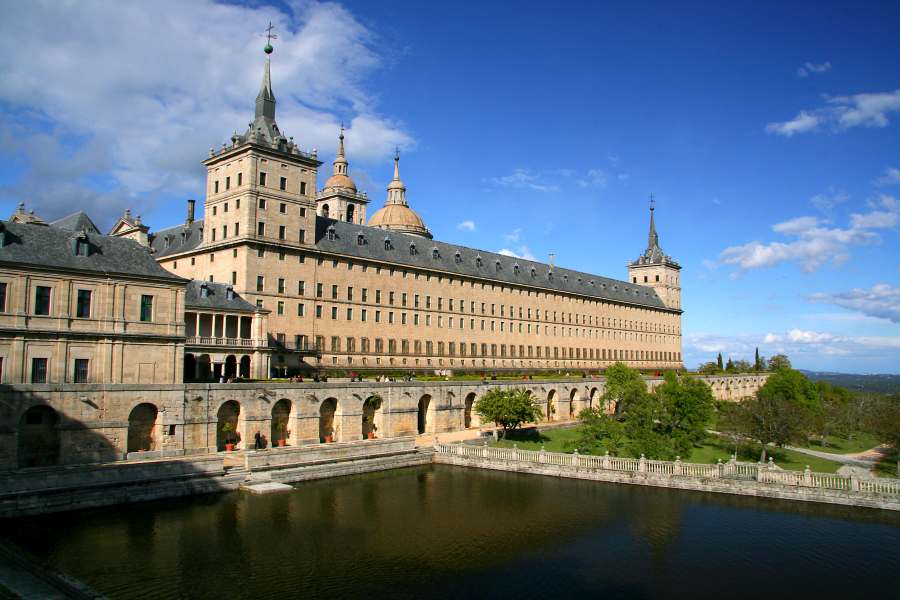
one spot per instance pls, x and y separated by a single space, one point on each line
652 202
269 37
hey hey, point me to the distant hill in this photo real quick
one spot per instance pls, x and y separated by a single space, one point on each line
885 383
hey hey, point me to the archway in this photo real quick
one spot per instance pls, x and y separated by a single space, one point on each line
230 366
227 426
281 421
39 437
190 367
141 424
573 403
592 399
551 406
370 410
325 210
424 406
203 368
350 208
467 416
245 367
326 420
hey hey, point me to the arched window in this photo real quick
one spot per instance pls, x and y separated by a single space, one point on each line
533 272
435 253
360 239
516 269
457 257
477 261
325 210
350 210
497 265
412 249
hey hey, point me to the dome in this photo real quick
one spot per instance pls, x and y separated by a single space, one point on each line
399 217
339 180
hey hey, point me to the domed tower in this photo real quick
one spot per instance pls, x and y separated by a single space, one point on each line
339 199
656 270
396 215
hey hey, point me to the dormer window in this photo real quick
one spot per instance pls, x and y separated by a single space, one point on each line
204 291
360 239
478 261
435 253
387 244
168 240
330 233
229 293
533 272
550 275
516 269
82 248
565 278
457 257
498 265
412 249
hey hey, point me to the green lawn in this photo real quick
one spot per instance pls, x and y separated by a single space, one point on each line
887 467
563 440
841 445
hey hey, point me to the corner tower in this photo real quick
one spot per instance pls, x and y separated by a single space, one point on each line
339 199
656 270
261 186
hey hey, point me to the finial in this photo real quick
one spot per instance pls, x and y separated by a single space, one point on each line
397 153
342 130
269 37
652 202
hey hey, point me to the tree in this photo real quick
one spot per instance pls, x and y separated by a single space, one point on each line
687 406
741 366
833 417
642 426
600 431
729 366
623 386
757 362
709 368
779 361
884 421
795 387
508 408
719 362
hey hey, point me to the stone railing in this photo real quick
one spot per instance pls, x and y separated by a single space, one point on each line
224 341
731 470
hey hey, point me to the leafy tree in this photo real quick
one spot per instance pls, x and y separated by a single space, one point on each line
719 362
623 386
600 431
741 366
687 406
729 366
709 368
508 408
779 361
884 421
642 426
769 417
757 361
833 416
793 386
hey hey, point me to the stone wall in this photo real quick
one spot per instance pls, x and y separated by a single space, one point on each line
103 423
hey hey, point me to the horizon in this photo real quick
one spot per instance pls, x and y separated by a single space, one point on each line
775 168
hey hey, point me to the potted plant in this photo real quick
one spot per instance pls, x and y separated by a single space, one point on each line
228 431
329 438
282 441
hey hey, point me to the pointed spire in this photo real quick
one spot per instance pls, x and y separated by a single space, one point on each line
341 144
652 237
397 164
396 189
265 100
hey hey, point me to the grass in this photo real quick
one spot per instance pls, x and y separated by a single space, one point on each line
861 442
887 467
564 440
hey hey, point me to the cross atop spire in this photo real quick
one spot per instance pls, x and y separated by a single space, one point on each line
269 37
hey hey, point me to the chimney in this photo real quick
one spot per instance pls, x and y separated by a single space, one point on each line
190 215
552 256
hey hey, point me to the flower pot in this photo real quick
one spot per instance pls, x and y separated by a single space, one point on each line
329 439
371 435
229 447
282 443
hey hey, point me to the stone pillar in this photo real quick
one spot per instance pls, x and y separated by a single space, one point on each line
642 464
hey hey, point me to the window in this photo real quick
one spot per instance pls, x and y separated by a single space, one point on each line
302 192
282 184
281 232
262 204
83 304
39 370
280 285
301 288
42 300
262 181
82 248
260 283
319 290
240 180
282 208
334 313
349 292
216 187
260 228
2 296
280 307
349 314
81 370
318 311
334 292
227 186
146 308
301 310
302 236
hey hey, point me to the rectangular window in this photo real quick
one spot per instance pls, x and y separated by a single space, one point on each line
260 283
301 310
216 187
81 370
334 292
280 285
146 308
349 314
302 236
234 278
240 181
282 208
260 228
334 313
319 290
42 300
262 181
302 211
280 307
282 184
38 370
262 204
302 189
365 295
227 184
350 293
281 232
2 296
377 296
363 315
318 311
83 304
378 316
301 288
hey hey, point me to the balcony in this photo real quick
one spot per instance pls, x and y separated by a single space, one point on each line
225 342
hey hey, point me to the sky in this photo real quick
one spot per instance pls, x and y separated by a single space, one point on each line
769 135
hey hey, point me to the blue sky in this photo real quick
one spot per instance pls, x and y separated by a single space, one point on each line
769 135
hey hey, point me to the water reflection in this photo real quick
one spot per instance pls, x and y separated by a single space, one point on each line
452 532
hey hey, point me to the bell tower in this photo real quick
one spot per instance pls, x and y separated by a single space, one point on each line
339 199
656 270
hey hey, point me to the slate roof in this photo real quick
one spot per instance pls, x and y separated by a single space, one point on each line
181 238
470 262
76 222
216 298
53 247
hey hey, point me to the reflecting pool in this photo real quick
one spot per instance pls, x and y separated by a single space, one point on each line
448 532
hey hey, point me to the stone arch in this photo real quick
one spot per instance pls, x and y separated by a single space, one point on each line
551 406
593 398
469 415
282 424
244 367
372 416
574 401
425 421
350 210
325 211
327 412
231 366
204 369
38 444
141 427
228 424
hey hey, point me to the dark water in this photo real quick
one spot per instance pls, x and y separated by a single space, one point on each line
445 532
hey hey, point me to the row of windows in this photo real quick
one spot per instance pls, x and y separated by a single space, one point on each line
40 368
43 297
263 181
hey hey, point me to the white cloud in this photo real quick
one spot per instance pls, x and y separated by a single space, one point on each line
522 252
842 113
135 93
466 226
891 177
522 179
771 338
826 201
808 337
881 301
594 178
809 68
514 235
816 242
